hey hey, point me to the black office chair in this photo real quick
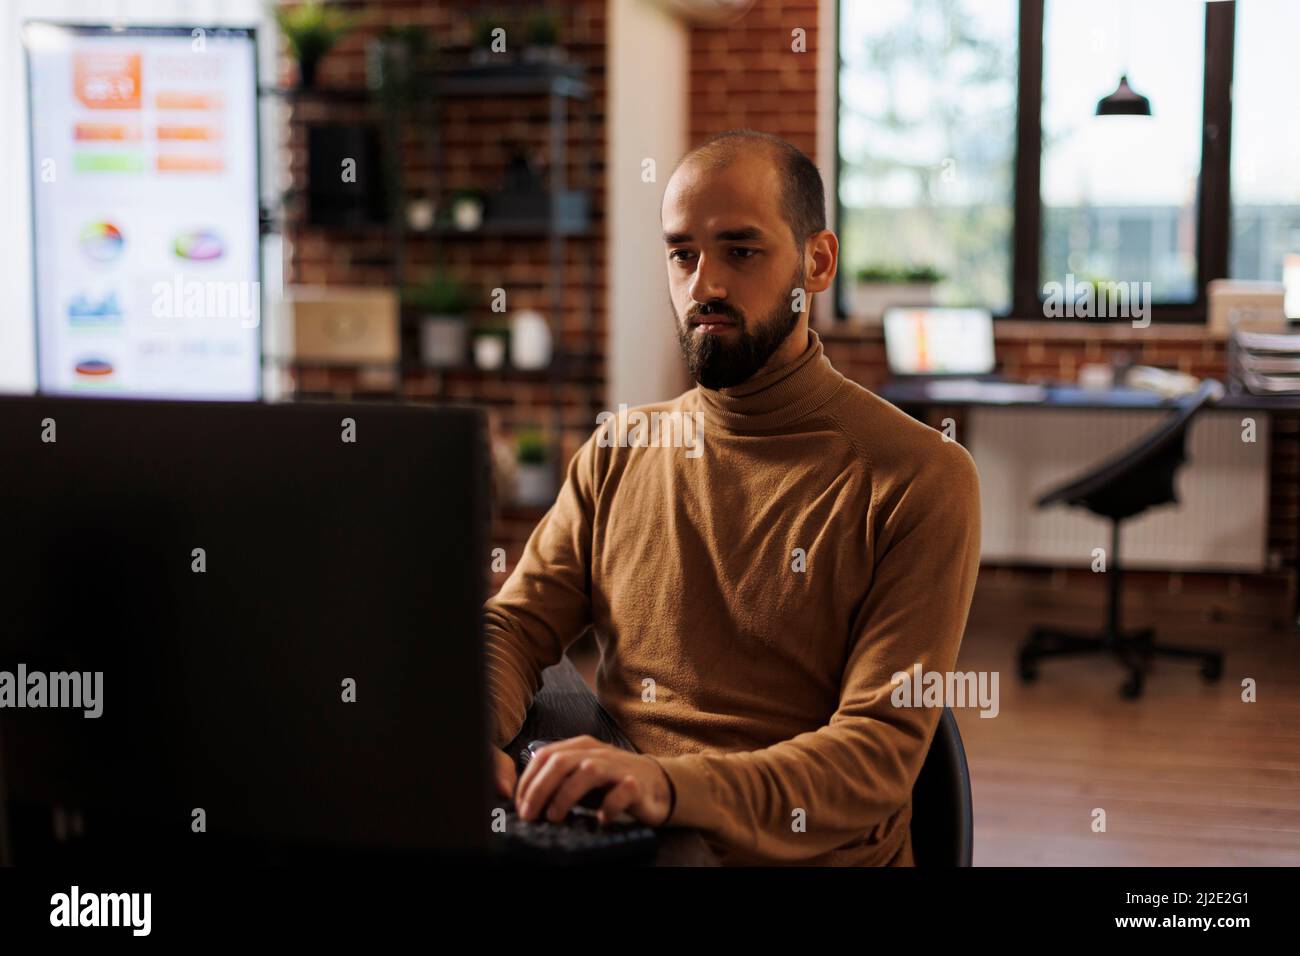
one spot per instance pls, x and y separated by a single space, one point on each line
1138 478
942 816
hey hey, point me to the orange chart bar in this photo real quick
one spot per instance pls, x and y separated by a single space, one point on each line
117 132
168 163
187 101
188 133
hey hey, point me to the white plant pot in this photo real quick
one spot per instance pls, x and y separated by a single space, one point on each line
442 340
530 340
467 214
421 214
489 351
534 484
871 299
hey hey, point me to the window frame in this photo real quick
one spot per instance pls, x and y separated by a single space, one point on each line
1213 200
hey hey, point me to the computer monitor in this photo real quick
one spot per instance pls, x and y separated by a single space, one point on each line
285 603
939 341
144 184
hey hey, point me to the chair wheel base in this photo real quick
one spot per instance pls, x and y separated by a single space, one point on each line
1028 669
1131 689
1134 649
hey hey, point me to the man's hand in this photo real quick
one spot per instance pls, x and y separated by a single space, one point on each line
503 772
562 773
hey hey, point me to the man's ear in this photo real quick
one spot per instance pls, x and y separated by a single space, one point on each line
823 254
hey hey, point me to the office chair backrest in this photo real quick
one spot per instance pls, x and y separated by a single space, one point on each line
1141 475
943 828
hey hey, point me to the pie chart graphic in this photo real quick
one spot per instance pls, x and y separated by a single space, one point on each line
94 367
200 245
101 241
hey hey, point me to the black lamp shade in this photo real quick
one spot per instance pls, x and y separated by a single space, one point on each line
1125 101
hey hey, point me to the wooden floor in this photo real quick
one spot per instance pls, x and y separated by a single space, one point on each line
1188 775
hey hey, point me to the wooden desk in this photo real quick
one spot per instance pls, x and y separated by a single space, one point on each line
912 397
907 393
566 707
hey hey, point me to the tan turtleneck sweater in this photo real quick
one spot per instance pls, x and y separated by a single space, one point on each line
752 594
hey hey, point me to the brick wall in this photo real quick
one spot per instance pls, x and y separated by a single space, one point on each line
745 74
473 133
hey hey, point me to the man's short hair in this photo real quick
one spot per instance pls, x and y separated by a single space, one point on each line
803 200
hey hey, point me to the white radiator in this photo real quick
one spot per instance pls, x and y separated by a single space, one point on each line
1220 522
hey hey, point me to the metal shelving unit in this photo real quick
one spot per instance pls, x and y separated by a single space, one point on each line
563 86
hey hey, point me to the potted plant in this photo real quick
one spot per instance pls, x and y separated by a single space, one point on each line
311 29
879 287
534 476
483 28
400 66
490 340
542 37
441 305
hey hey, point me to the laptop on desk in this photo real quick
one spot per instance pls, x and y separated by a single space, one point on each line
936 342
949 352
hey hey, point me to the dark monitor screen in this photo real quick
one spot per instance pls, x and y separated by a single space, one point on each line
284 603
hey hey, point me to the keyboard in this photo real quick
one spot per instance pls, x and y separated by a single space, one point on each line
579 839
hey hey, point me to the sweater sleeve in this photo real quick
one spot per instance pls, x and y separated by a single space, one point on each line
545 603
858 770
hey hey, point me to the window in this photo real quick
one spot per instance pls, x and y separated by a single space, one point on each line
969 143
1265 140
927 142
1119 192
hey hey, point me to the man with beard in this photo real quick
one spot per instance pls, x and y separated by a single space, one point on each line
752 605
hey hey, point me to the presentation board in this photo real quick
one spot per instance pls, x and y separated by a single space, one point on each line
145 211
